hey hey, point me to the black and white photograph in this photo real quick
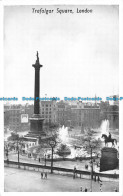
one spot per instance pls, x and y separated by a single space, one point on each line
61 98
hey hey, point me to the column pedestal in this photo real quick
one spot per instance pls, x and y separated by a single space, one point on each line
36 124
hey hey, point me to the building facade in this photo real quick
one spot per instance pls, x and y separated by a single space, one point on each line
86 116
15 117
48 111
12 116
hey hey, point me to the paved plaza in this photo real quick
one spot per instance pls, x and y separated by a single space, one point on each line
19 180
65 164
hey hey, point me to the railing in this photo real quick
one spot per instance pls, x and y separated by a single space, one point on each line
59 169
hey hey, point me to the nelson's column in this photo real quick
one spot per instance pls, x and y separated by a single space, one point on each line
36 121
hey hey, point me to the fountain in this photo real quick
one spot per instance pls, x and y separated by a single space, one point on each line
66 148
104 127
63 135
63 139
63 150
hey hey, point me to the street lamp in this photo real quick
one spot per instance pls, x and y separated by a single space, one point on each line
91 164
91 146
18 154
45 159
52 144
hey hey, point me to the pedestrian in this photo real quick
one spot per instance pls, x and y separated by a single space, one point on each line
81 189
74 172
86 190
95 178
99 179
41 175
45 175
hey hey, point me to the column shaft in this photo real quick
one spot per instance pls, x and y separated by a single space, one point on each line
37 90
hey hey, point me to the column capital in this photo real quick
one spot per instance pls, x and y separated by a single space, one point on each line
37 63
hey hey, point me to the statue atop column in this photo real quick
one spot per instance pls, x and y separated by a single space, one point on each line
37 60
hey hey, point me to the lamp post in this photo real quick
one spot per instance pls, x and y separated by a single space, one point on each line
45 159
52 144
91 168
91 164
18 154
90 146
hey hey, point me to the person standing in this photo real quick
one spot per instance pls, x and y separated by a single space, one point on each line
109 136
99 179
41 175
45 175
74 172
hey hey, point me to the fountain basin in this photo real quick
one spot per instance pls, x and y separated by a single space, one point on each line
63 150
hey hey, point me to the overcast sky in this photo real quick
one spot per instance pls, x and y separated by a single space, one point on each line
79 52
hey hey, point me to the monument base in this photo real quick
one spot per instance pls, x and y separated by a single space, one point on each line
109 160
36 128
36 124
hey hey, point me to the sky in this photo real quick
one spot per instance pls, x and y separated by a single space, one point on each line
79 52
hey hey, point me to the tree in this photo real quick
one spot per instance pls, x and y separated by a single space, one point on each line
63 150
90 142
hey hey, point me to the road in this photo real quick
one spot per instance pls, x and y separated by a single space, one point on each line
19 180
